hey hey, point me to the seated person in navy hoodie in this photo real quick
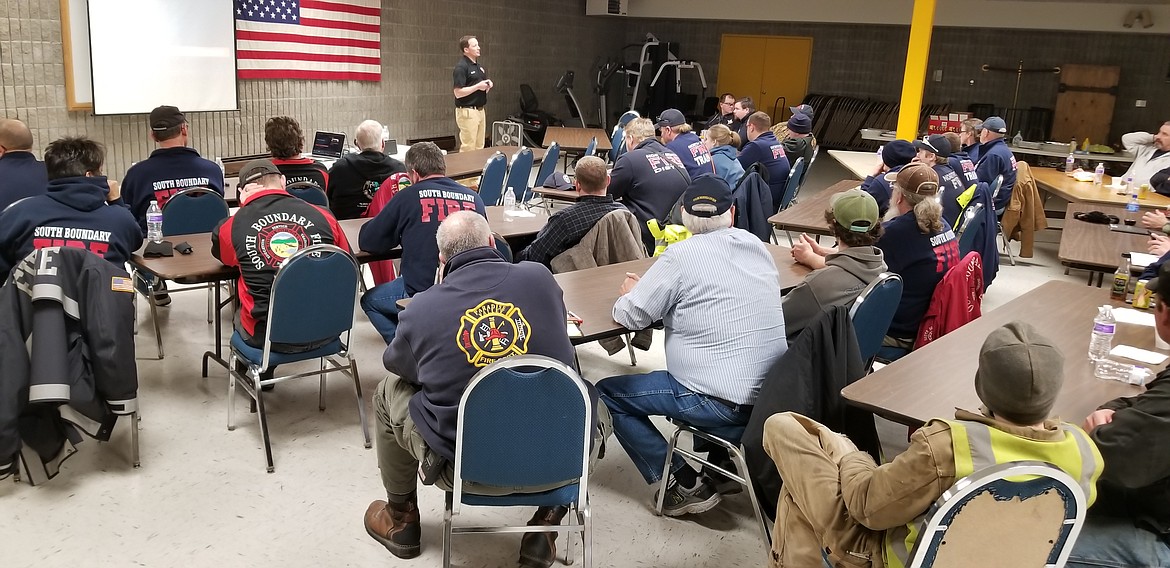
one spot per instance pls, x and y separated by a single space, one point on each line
895 155
960 162
411 220
934 151
996 159
79 209
170 169
354 178
286 141
680 138
21 174
648 178
483 310
763 147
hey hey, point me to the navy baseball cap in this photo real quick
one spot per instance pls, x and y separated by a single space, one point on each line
995 124
670 117
936 144
898 153
707 196
558 180
806 110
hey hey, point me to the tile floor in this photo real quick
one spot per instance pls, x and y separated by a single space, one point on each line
202 496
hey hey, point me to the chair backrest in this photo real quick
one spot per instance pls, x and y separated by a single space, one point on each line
491 182
519 172
313 297
502 246
524 421
794 176
812 160
549 164
626 118
308 191
617 143
528 102
1029 512
972 220
873 310
995 185
592 147
194 210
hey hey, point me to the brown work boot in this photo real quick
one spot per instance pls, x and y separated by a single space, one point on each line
539 549
399 531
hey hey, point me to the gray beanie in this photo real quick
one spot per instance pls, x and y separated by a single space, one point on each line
1020 373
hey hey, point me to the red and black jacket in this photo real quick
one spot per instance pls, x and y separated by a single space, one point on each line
302 169
270 227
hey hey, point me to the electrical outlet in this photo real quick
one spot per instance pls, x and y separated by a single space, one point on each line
1140 103
938 75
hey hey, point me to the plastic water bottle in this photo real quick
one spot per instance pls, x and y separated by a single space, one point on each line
154 222
1102 339
1124 372
509 204
219 162
1132 206
1070 164
1129 185
1019 137
1099 175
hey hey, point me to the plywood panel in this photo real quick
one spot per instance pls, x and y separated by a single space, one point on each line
1084 107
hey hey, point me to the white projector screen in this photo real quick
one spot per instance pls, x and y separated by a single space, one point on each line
148 53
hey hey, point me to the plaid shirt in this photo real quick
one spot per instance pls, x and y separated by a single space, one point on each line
567 227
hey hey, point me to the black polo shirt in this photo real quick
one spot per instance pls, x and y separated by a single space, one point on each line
466 74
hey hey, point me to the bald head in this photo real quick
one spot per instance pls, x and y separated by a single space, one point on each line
368 136
14 136
460 232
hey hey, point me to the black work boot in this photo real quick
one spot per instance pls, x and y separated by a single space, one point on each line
539 549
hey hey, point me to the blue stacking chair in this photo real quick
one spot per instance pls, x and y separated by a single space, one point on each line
491 182
312 301
617 142
549 164
804 174
872 312
626 117
794 177
973 220
518 173
524 421
996 184
308 191
193 210
592 147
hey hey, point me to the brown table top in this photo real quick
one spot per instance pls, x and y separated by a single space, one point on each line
1095 247
931 382
557 194
1060 185
573 138
200 266
591 293
808 214
470 164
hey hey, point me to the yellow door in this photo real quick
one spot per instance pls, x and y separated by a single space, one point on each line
765 68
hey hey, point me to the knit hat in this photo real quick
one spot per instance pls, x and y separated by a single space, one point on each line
898 153
1020 374
915 178
800 123
855 210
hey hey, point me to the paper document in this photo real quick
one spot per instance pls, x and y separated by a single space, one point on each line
1142 259
1130 315
1130 352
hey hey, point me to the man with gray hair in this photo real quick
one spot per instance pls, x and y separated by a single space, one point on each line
354 178
21 174
483 310
648 178
718 294
410 220
1151 158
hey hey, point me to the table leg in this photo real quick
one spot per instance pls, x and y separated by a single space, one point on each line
217 355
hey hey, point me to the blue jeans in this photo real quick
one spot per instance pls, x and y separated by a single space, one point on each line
1116 542
381 305
633 399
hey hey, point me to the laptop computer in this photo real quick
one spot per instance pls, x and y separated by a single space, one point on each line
328 145
391 147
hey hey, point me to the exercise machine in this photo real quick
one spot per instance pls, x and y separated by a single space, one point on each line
661 59
565 86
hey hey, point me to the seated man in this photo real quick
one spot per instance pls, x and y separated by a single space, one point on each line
935 151
21 174
741 110
410 220
1151 158
170 169
286 141
566 227
917 246
725 113
713 372
798 141
680 138
648 178
270 226
836 279
763 147
1130 524
996 159
969 138
895 155
960 162
417 407
79 209
837 502
354 178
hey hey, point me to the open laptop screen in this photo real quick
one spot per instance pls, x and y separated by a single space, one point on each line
328 144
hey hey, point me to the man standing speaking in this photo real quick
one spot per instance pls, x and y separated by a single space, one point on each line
471 87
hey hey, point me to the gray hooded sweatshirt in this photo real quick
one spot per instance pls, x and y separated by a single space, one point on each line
844 276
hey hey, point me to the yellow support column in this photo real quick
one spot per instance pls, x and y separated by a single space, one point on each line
917 55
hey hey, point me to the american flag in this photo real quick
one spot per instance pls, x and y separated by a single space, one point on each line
309 39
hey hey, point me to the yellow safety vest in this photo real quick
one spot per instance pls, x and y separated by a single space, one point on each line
978 446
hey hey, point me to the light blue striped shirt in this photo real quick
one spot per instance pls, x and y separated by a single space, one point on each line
718 295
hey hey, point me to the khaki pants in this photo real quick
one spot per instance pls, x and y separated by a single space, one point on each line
811 516
472 128
401 447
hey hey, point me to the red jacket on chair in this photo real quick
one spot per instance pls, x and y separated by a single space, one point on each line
956 301
383 270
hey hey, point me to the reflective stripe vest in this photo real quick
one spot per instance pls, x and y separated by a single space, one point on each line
978 446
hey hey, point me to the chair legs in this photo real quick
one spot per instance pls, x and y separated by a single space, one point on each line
630 348
149 282
134 426
447 530
1007 246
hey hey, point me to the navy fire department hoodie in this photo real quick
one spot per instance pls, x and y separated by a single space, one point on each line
166 172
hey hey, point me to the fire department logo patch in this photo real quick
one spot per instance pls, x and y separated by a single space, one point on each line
492 331
280 241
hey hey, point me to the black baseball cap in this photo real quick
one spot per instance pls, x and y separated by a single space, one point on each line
707 196
670 117
558 180
257 169
166 117
936 144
